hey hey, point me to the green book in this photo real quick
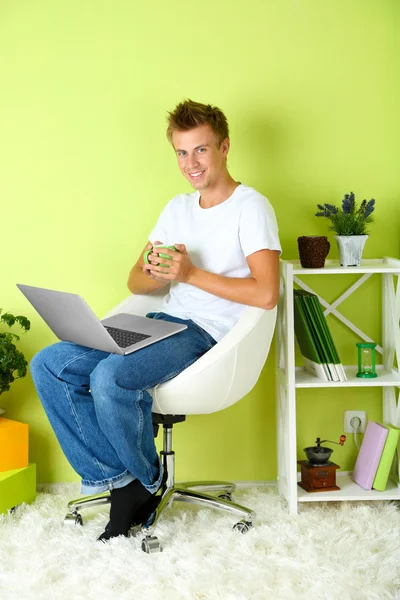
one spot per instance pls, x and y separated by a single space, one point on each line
386 460
316 314
315 310
335 363
309 345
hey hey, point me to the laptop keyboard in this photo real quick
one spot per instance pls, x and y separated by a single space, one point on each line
125 338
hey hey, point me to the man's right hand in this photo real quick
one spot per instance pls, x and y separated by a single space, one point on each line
140 280
147 267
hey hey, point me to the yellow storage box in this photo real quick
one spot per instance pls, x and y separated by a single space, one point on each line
13 445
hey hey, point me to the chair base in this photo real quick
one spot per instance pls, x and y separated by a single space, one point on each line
193 492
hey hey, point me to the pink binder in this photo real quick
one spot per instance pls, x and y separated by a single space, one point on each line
369 455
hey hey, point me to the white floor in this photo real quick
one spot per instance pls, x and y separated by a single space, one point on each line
330 551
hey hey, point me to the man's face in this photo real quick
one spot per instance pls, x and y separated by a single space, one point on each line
199 158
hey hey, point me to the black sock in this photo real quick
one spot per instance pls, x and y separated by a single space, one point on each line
125 501
142 515
131 505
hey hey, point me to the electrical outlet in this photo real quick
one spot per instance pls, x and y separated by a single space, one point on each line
349 414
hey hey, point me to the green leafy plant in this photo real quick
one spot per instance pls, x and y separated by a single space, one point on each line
349 219
12 362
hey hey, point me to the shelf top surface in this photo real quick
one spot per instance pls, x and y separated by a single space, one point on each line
370 265
385 378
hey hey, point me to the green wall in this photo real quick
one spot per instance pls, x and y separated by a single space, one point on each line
310 89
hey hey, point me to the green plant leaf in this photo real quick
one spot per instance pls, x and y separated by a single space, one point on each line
12 361
348 219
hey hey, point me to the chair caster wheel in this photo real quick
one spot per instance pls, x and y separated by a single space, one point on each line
151 544
73 519
226 496
243 526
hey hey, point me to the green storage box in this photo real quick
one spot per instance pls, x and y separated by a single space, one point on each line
17 486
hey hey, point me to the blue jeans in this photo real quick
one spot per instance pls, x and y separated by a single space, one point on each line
99 405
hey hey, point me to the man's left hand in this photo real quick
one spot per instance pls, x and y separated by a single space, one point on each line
179 268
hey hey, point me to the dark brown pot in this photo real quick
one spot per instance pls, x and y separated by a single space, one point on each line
313 250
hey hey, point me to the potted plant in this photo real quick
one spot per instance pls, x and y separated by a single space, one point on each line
12 362
350 224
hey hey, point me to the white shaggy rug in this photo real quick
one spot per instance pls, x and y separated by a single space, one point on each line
330 551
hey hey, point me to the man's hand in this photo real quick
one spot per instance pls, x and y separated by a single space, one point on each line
140 280
146 268
180 267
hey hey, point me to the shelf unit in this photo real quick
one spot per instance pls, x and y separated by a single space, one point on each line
289 377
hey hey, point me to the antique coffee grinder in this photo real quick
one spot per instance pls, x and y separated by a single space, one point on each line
318 474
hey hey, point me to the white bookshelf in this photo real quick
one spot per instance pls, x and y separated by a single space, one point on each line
289 378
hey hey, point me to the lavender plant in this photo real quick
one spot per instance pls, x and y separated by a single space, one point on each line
349 219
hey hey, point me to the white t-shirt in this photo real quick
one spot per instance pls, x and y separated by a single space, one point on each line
218 239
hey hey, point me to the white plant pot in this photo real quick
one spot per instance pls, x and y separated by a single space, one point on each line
350 249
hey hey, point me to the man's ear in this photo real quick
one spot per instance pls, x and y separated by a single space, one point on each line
225 145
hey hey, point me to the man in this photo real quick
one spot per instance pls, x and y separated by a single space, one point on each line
226 258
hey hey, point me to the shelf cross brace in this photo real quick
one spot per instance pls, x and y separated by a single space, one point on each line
331 308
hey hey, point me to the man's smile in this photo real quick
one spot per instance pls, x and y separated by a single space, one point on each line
196 174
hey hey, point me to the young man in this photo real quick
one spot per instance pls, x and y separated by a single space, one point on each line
226 258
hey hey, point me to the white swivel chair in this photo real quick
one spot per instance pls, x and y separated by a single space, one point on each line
221 377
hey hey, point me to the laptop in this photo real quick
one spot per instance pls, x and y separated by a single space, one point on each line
72 320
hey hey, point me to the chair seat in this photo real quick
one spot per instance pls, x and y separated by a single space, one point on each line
224 374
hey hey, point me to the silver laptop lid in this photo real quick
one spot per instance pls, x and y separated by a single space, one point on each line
70 318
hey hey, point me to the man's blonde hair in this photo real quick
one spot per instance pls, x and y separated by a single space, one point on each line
188 115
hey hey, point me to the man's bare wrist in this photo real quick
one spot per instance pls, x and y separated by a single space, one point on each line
191 280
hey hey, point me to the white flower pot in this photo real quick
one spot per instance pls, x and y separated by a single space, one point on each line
350 249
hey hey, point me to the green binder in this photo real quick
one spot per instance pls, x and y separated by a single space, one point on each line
386 460
322 332
309 343
334 353
317 316
333 357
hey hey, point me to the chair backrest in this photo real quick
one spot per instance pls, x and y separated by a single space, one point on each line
224 374
140 304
